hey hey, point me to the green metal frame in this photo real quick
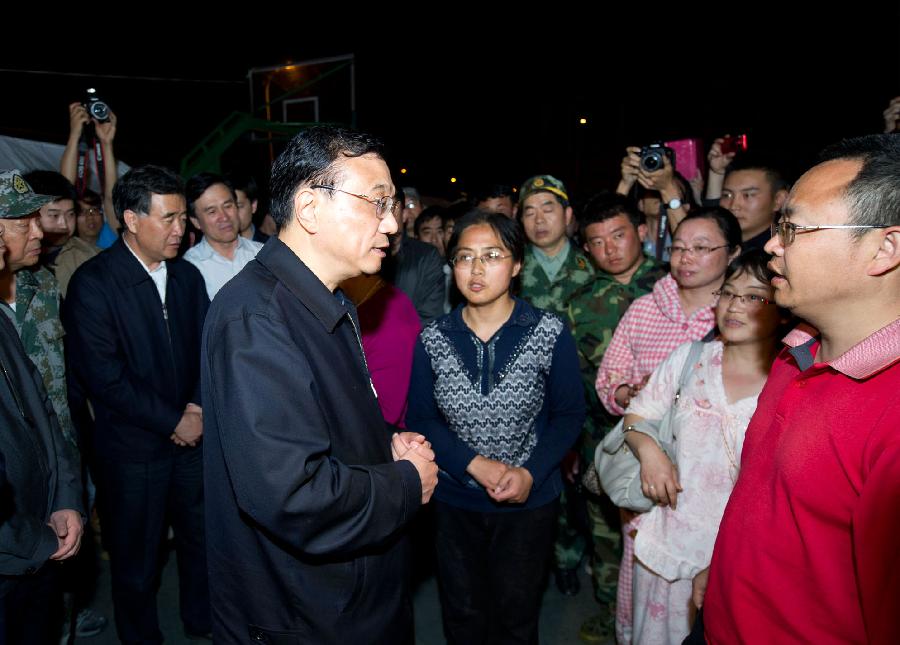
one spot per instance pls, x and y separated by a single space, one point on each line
206 156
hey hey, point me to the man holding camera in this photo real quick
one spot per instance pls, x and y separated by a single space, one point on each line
662 198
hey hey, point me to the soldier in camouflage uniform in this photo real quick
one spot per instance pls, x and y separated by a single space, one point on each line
553 270
31 297
553 267
613 232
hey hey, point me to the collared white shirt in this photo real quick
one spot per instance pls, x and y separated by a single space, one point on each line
159 275
217 269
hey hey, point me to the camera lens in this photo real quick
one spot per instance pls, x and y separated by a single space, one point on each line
652 161
99 111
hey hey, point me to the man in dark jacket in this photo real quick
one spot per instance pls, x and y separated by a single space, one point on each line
41 512
417 269
134 315
307 493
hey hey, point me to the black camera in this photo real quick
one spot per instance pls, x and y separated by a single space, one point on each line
653 157
95 107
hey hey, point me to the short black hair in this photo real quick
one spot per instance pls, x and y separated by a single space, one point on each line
49 182
199 183
753 262
92 198
873 196
135 189
429 213
604 206
311 158
724 219
508 230
243 182
751 161
484 192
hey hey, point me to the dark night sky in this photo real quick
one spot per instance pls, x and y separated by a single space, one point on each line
473 105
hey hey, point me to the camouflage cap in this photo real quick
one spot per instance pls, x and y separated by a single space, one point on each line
16 197
546 183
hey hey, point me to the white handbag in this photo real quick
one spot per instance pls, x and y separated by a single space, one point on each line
619 470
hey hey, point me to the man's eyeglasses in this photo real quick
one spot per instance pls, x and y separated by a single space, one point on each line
749 300
491 258
383 205
787 231
693 250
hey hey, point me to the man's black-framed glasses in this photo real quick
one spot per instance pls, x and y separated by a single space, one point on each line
383 205
787 231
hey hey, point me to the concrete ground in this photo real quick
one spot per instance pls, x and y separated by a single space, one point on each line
561 616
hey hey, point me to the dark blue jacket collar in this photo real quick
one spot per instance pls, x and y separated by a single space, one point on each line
290 270
130 271
523 315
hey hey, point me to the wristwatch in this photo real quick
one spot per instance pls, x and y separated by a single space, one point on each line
675 203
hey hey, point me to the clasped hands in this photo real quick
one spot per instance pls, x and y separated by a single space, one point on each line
190 428
502 483
413 447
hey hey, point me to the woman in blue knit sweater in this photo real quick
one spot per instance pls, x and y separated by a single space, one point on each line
496 390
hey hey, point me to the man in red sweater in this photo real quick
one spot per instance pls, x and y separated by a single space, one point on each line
808 547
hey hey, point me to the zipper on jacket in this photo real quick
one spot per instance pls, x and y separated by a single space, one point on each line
13 390
363 354
165 313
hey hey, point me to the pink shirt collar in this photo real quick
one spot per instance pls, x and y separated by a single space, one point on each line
872 354
665 293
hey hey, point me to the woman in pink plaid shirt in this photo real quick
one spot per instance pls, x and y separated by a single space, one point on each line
678 310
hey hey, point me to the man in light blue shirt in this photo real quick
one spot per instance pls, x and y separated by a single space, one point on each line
222 252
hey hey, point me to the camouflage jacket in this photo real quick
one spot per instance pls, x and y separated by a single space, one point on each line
554 296
37 320
593 313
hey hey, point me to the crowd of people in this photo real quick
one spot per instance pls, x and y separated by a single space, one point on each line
281 386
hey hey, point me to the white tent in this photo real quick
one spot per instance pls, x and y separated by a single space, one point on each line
26 155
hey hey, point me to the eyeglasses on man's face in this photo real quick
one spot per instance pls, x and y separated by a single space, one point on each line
491 258
787 231
383 205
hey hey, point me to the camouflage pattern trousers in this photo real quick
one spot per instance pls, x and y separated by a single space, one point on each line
590 522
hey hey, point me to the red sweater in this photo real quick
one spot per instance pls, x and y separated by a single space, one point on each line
809 547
